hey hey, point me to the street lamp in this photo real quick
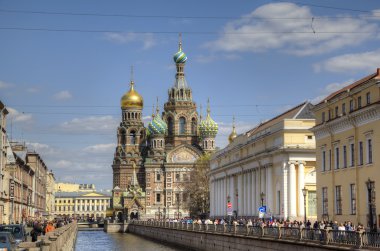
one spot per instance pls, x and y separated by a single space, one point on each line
159 213
369 184
262 195
304 192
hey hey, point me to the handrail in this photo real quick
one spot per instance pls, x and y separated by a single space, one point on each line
328 236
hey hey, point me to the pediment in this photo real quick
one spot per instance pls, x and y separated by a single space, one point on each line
183 154
93 195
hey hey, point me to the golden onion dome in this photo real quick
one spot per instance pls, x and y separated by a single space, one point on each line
233 134
131 99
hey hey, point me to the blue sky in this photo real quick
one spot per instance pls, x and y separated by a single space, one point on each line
65 64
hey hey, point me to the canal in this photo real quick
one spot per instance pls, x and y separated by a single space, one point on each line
99 240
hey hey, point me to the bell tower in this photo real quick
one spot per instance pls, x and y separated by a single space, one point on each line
180 112
130 139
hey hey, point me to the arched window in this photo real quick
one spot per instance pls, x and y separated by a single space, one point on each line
133 137
193 126
182 125
122 137
170 126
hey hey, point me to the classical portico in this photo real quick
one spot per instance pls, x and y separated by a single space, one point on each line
255 170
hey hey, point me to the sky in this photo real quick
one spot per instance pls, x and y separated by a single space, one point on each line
65 65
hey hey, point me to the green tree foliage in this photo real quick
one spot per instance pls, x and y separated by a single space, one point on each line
198 190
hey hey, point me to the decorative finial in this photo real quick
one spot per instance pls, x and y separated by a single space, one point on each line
208 107
180 42
233 121
157 109
153 114
200 112
131 73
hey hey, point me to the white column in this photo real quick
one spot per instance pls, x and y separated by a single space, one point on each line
245 201
249 189
263 185
292 191
212 196
269 195
301 185
284 206
240 194
258 200
254 200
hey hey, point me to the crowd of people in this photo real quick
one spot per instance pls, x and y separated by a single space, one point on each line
40 227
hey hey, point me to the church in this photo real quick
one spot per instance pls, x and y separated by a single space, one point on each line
152 163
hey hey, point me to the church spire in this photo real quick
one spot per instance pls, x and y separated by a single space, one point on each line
233 134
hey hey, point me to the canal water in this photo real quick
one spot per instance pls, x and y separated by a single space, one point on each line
99 240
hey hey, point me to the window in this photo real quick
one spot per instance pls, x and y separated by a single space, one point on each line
351 105
344 156
323 117
360 153
193 126
344 108
369 146
182 125
353 198
368 97
337 158
158 177
185 177
352 146
177 177
177 199
170 126
359 102
330 159
158 198
323 161
329 114
336 112
133 137
324 201
338 199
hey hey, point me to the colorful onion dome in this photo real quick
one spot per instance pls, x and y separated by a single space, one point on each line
157 126
180 57
208 128
131 99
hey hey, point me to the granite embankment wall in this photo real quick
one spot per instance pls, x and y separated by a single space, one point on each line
193 240
62 238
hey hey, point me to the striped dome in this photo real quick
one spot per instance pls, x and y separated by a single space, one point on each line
180 57
208 128
157 126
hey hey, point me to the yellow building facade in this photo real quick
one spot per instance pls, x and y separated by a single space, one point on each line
267 166
347 142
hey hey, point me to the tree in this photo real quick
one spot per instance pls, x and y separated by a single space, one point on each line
198 189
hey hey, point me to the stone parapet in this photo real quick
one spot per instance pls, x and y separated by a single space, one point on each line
62 238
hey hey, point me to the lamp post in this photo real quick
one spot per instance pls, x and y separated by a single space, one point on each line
159 213
304 192
369 184
262 195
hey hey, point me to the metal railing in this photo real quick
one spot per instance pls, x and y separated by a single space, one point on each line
357 239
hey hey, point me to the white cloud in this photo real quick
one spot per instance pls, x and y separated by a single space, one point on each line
294 35
90 124
63 164
147 39
63 95
100 148
4 85
17 116
32 89
353 62
330 88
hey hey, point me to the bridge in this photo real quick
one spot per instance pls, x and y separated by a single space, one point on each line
249 238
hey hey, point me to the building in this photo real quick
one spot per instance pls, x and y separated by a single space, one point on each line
81 205
348 138
267 166
73 187
152 163
3 157
50 194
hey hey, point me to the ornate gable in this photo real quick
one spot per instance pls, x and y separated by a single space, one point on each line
183 154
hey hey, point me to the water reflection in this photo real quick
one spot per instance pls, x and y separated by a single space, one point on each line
99 240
